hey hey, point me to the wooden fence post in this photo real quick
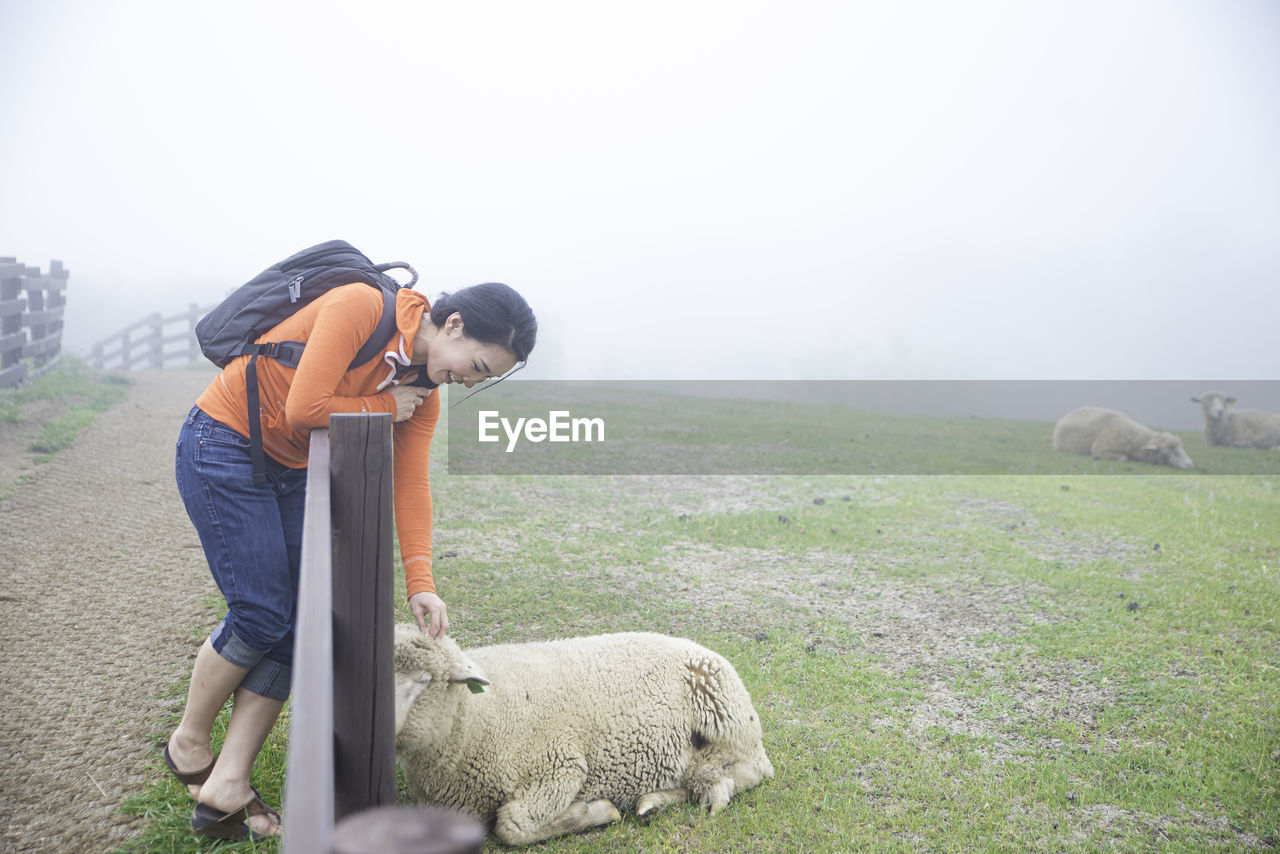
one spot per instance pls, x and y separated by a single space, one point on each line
155 340
194 313
34 321
12 334
342 721
364 729
309 776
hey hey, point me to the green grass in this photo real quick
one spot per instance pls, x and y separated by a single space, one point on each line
650 432
78 392
1064 662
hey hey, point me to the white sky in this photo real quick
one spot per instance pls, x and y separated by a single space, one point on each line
848 190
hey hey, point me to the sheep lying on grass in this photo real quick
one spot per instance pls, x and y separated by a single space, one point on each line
556 737
1112 435
1237 428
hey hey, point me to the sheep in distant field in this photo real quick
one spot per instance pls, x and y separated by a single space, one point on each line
1237 428
1112 435
557 737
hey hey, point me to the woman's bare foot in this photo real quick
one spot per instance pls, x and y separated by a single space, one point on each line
263 820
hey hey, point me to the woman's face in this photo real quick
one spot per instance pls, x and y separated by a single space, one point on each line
452 357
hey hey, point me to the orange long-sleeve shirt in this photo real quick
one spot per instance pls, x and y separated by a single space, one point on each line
294 401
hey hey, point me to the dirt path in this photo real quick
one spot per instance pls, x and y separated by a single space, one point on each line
102 582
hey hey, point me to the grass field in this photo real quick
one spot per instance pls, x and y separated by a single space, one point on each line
649 432
43 415
1066 662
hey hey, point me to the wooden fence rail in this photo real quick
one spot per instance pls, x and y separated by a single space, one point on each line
340 786
155 341
31 308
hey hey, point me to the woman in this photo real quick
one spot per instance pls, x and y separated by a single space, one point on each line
252 532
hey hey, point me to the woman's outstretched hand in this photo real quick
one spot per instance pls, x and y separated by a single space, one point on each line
429 609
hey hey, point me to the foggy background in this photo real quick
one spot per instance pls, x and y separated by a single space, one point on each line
683 190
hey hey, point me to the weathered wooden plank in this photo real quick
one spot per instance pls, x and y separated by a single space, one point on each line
408 830
10 307
44 316
13 375
149 320
43 283
183 317
187 319
107 350
308 793
43 347
13 341
364 713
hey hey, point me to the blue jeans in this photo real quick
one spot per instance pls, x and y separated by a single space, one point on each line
252 538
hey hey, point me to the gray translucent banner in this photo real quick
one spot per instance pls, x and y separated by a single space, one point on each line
860 427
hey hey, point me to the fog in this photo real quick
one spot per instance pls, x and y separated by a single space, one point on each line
682 190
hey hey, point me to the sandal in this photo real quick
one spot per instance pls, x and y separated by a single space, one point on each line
211 821
258 807
192 778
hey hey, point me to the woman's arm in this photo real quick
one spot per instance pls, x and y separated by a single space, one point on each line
347 316
412 441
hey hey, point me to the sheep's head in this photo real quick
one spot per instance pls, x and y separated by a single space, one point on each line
1214 405
1166 449
422 661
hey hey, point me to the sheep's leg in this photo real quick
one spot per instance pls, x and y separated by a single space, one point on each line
654 801
520 822
1104 450
549 806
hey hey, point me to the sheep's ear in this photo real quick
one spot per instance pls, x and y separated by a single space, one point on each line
1152 447
466 673
1231 401
407 690
1195 400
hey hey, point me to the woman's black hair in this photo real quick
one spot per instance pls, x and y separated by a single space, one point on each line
492 313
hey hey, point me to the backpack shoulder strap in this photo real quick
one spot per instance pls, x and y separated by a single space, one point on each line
386 325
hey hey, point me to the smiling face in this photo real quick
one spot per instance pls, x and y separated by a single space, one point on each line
449 355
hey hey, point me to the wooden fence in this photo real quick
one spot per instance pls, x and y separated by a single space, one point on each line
340 787
156 341
31 307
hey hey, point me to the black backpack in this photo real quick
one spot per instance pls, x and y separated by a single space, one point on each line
233 327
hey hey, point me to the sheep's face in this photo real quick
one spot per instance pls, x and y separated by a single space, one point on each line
1166 449
1214 405
424 663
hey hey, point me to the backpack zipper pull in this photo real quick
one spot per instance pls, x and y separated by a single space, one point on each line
295 288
